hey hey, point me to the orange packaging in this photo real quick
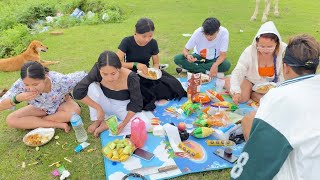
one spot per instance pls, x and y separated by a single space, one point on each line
194 84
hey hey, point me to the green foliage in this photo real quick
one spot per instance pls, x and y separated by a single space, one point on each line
65 22
33 13
14 41
92 5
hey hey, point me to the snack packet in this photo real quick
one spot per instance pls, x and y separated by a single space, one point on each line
202 132
112 123
194 84
189 108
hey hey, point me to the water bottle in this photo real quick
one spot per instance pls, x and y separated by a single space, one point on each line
78 128
81 146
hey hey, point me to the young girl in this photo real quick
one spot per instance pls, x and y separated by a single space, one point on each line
259 63
47 95
135 53
116 92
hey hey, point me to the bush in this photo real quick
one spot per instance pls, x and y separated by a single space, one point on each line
33 13
14 41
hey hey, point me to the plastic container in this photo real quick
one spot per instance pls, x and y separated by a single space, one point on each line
138 132
78 128
81 146
223 133
219 84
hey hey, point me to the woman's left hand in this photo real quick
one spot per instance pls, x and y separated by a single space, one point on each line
120 127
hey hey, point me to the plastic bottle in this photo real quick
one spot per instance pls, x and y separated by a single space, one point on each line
81 146
78 128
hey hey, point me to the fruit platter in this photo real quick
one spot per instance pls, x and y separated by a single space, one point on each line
118 150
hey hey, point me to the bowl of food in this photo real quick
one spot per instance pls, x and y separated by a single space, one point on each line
118 150
264 87
38 137
153 74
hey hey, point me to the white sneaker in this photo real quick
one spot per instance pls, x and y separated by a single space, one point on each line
164 66
184 70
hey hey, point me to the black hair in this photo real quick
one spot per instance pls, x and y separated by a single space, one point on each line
109 58
144 25
273 37
210 26
34 70
302 54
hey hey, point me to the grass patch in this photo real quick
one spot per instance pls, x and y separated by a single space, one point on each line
79 47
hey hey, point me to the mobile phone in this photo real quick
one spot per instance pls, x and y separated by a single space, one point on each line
230 158
143 154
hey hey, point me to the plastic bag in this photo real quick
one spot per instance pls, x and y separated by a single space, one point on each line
138 132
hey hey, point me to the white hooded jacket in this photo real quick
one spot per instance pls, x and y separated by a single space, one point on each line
247 66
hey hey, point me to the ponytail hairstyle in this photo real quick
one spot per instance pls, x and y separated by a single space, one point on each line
34 70
144 25
109 58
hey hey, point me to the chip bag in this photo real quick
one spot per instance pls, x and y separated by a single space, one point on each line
112 123
200 98
202 132
189 108
194 84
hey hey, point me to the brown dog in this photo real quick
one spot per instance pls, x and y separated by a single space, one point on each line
31 54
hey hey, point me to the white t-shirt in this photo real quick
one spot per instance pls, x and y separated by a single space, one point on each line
209 49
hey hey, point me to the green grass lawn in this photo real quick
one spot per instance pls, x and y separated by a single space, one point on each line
79 47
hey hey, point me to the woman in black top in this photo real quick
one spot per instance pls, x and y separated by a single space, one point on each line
135 53
115 91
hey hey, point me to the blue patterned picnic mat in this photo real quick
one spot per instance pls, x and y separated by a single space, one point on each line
164 155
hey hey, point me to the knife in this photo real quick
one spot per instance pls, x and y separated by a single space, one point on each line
153 169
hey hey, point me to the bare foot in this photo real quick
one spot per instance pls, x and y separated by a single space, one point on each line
103 126
94 126
66 127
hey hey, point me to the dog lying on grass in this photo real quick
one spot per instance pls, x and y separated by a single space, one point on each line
31 54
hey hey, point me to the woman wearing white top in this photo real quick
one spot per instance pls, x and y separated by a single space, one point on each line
259 63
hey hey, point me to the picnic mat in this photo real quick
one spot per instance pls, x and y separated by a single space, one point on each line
164 155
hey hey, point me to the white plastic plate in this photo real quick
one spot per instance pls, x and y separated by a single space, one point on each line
38 137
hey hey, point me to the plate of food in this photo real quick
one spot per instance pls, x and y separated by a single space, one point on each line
38 137
264 87
153 74
205 79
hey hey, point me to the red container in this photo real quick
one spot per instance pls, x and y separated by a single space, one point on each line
138 132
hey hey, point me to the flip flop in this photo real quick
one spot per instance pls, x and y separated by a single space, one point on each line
3 91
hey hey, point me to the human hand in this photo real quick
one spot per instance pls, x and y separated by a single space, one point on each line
191 59
27 96
213 71
143 68
121 126
100 113
236 98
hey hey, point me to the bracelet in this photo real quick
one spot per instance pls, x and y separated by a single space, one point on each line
135 65
14 100
133 175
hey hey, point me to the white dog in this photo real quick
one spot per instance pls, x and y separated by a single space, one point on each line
266 10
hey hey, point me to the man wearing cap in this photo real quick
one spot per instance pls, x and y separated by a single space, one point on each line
284 139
